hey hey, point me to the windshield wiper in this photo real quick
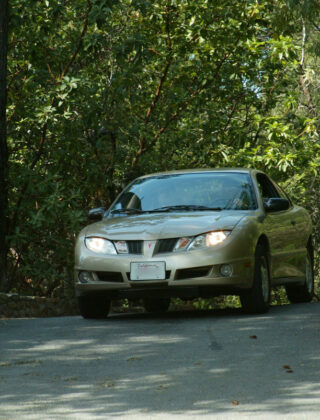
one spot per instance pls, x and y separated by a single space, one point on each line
182 207
186 207
128 210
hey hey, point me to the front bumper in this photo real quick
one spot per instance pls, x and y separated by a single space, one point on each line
188 274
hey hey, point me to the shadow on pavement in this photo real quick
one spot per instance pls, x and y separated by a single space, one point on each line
188 363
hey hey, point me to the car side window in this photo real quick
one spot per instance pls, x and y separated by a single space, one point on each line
266 187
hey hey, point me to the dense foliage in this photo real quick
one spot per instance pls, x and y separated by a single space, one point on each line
100 92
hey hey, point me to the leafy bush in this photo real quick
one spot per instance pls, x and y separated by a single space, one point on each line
100 92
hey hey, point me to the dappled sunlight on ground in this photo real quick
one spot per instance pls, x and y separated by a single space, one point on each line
179 364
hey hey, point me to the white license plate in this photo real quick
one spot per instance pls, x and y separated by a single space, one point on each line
148 270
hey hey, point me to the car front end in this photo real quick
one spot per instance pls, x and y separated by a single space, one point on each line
134 257
180 234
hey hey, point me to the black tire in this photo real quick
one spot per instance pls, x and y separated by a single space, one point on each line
156 305
303 293
257 299
93 307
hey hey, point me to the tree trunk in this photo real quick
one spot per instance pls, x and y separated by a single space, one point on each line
3 143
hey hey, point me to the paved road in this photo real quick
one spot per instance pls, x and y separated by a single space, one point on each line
182 365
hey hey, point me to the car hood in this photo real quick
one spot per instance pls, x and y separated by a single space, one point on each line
160 226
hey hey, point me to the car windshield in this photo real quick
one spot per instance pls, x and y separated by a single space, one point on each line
187 192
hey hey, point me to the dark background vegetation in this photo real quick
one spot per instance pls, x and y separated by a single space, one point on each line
102 91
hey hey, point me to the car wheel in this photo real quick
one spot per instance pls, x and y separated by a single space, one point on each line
93 307
303 293
257 299
155 305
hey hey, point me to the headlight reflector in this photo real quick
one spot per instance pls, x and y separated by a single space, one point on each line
100 245
208 239
215 238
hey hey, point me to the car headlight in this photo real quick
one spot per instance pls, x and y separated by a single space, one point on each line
202 241
208 239
100 245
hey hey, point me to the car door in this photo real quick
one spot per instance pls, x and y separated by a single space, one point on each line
300 233
280 229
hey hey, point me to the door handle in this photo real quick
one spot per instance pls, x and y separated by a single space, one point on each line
293 222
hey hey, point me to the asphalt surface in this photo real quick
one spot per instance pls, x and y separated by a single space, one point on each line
182 365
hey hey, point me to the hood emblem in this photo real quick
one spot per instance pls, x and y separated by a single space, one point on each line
149 245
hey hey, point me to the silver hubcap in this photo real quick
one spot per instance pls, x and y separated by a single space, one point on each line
264 280
309 277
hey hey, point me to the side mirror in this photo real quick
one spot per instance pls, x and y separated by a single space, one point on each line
276 204
96 214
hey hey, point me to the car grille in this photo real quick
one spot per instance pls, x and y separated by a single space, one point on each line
189 273
166 245
111 276
135 247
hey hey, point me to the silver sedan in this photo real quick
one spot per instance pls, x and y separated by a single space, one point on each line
195 233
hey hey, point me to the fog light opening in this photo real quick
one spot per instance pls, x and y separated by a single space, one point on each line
84 277
226 270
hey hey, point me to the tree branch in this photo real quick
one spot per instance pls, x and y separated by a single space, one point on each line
45 125
159 88
166 69
145 148
303 43
27 182
40 148
305 89
78 47
3 144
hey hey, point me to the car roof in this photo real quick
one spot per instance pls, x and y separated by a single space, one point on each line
201 170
